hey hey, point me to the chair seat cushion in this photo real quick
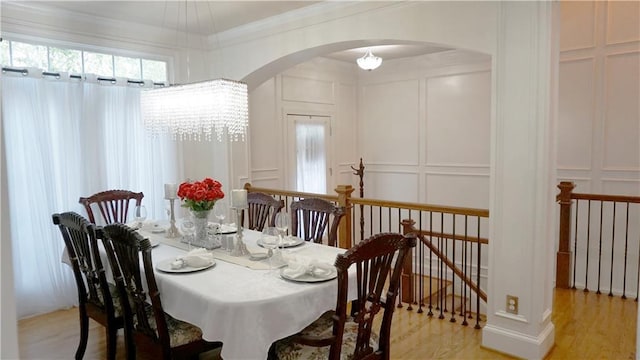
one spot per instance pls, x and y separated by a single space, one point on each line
287 348
115 298
180 332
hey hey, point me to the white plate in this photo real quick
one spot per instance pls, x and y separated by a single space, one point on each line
154 243
165 266
308 278
156 229
292 241
224 229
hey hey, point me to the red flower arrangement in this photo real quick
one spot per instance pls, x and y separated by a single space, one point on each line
200 195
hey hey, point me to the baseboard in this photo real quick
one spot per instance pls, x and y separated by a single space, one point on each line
518 344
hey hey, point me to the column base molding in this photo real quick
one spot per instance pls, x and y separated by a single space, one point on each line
518 344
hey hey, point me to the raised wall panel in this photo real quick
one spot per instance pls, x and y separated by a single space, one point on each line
458 119
307 90
344 125
458 190
621 187
265 150
623 21
577 22
622 112
389 122
575 113
395 186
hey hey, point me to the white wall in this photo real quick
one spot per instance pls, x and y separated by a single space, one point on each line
599 124
319 87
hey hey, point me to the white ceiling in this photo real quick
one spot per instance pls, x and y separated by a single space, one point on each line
210 17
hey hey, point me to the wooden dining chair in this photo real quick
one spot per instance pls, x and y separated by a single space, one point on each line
262 208
147 327
340 335
113 205
97 299
311 218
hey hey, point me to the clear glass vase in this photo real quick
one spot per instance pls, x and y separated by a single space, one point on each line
201 235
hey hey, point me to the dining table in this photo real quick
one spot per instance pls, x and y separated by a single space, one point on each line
245 304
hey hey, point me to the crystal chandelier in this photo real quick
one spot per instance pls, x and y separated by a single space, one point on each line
197 110
369 61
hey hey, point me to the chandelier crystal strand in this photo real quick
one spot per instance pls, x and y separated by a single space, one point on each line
196 111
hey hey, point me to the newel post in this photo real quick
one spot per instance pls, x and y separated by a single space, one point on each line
406 279
563 257
344 229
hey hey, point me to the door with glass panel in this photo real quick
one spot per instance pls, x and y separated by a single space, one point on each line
309 155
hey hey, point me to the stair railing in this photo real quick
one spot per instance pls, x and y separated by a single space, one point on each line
450 253
598 242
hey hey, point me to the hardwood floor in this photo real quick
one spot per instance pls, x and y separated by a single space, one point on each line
588 326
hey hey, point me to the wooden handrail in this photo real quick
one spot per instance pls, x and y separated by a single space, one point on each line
251 188
602 197
422 207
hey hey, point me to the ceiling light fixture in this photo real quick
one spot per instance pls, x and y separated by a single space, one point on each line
197 110
369 61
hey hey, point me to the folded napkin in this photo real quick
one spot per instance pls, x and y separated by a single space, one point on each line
195 258
299 266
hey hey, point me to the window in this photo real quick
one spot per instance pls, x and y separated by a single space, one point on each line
55 59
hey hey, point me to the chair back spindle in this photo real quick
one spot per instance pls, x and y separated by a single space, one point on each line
113 205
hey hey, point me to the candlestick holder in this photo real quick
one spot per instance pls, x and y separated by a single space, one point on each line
172 232
239 248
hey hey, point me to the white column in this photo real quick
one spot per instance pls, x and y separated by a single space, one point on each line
521 259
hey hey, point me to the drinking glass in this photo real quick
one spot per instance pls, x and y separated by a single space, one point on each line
270 240
282 224
220 211
188 228
139 214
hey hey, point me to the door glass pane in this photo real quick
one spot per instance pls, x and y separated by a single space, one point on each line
65 60
311 164
99 64
28 55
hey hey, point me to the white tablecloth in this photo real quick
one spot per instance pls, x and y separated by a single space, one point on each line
246 309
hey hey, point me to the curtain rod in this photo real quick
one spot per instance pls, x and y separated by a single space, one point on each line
25 72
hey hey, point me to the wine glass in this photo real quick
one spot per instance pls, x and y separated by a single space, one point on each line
270 240
139 214
282 224
220 211
188 228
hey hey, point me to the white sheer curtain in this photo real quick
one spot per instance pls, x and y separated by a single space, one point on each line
67 138
311 163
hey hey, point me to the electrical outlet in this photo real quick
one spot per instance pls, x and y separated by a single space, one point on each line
512 304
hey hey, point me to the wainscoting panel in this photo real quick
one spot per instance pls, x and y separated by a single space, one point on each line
629 187
344 124
464 190
578 25
623 19
392 185
622 113
575 113
458 118
307 90
265 150
389 122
